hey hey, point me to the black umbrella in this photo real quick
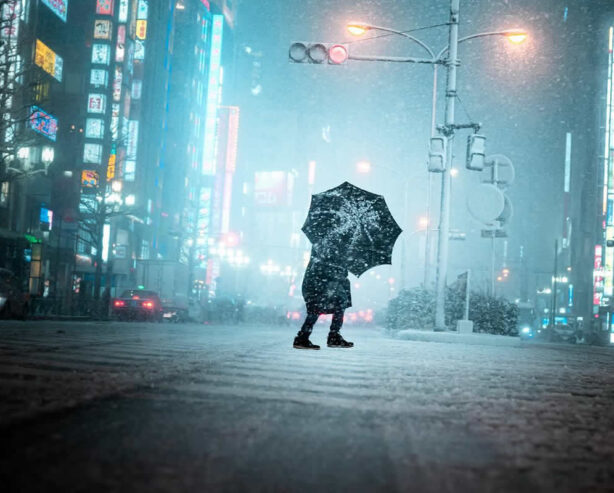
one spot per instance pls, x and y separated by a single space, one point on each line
354 224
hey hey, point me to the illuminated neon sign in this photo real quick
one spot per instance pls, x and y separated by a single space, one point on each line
58 7
48 60
104 7
215 71
43 123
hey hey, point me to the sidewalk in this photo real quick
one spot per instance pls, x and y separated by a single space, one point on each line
455 337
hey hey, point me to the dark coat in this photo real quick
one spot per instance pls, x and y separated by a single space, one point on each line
326 287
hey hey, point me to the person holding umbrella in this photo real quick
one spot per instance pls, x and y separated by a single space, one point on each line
326 289
351 230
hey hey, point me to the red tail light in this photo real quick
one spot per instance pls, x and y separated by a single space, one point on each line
118 303
148 304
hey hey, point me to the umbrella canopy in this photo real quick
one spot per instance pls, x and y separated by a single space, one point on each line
351 226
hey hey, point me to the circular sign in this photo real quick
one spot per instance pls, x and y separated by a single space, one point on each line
485 202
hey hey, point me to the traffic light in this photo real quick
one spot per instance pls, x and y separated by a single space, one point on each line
476 152
437 154
333 53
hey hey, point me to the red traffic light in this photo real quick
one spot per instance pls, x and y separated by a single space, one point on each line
337 54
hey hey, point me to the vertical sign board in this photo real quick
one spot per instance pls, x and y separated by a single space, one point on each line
58 7
121 43
597 278
607 256
213 90
122 15
9 13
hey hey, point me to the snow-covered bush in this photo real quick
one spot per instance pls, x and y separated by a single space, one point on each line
415 309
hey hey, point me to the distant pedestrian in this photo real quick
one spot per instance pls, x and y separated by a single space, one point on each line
326 289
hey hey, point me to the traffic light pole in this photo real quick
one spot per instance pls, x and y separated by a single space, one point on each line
448 130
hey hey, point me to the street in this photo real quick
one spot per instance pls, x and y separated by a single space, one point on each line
98 406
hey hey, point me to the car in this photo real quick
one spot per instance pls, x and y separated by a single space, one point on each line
175 309
14 300
137 304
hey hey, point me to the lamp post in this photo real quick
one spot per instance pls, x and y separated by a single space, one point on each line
449 128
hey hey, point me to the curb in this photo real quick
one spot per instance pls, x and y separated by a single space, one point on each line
456 338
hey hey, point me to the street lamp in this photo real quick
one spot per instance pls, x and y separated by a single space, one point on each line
449 128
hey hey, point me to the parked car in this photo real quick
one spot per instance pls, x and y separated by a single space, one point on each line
137 304
14 300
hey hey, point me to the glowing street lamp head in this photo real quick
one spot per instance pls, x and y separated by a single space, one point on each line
363 167
357 28
516 36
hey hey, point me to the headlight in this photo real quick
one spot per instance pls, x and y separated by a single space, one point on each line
526 330
2 301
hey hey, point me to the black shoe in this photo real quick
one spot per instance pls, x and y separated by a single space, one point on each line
301 342
335 340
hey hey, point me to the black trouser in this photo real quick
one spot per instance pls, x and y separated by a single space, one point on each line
312 318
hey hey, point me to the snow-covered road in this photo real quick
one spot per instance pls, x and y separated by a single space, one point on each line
160 407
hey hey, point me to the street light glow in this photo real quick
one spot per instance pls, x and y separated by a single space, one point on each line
516 36
357 28
363 167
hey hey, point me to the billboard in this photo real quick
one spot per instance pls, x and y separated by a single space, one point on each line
99 77
48 60
104 7
101 53
96 103
273 188
43 123
89 178
102 29
58 7
94 128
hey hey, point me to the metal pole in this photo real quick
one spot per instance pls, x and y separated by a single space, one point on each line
444 220
427 240
554 287
404 248
492 264
467 295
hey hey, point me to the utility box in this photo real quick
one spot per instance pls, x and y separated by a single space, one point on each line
464 326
